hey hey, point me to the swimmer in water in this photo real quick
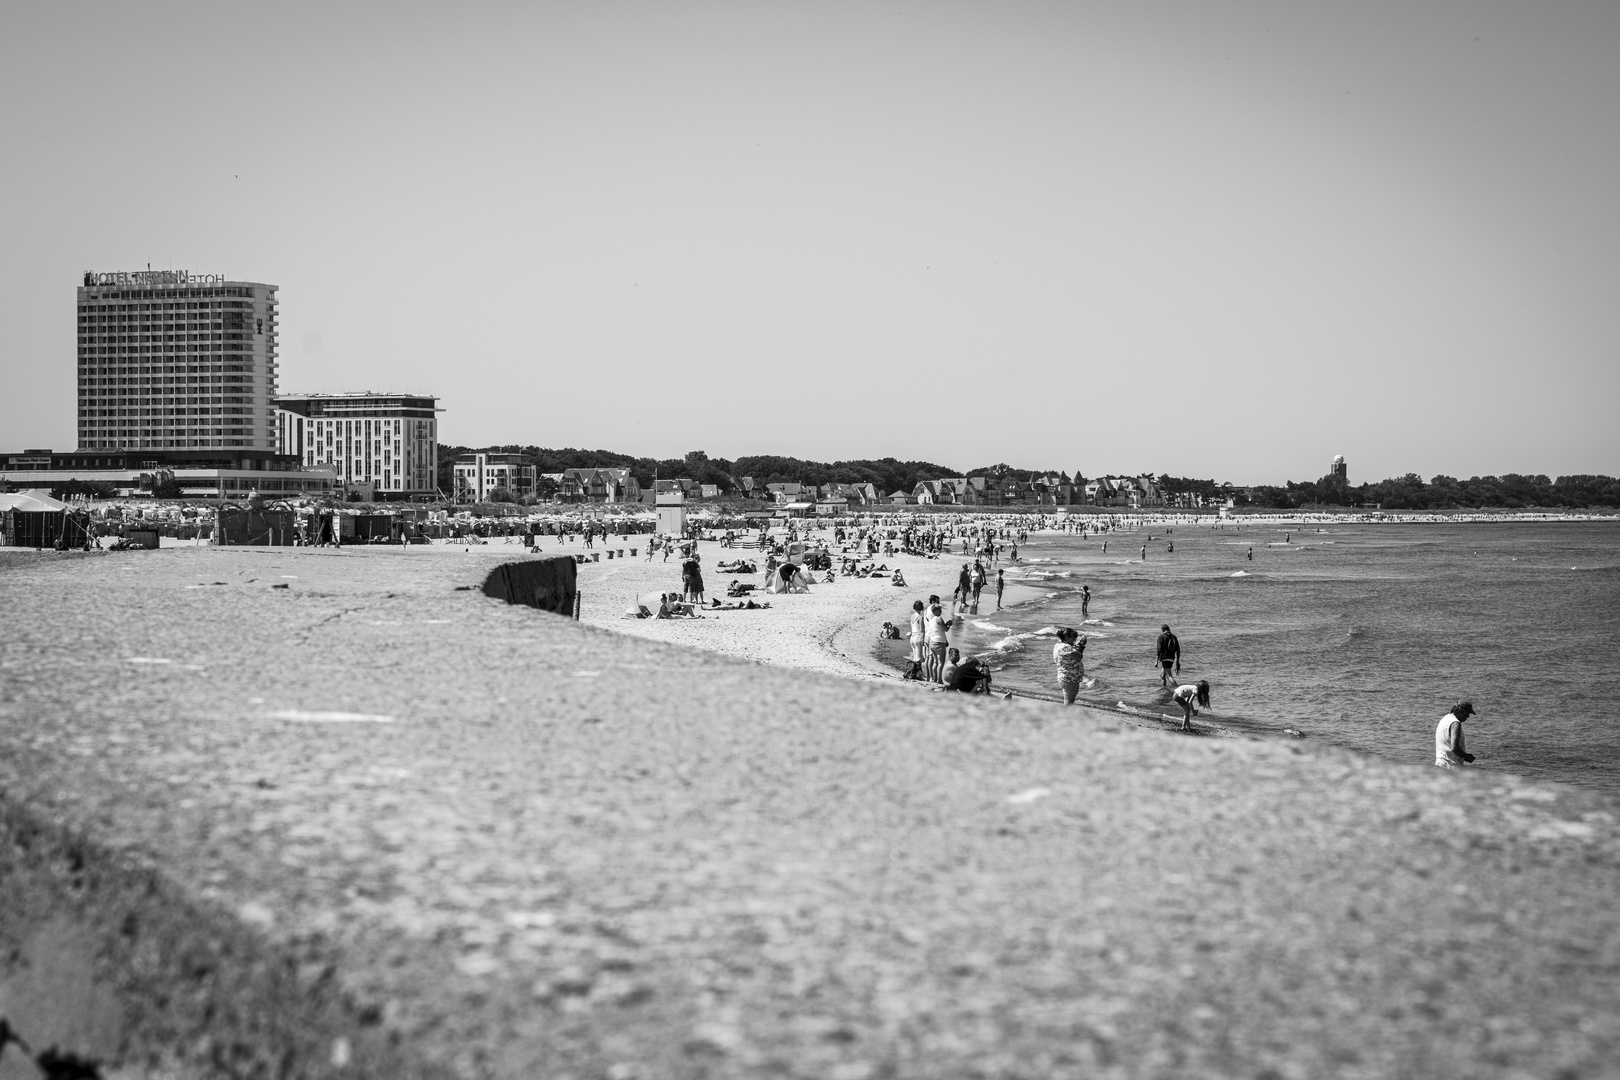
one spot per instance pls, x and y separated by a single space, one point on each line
1172 548
1188 697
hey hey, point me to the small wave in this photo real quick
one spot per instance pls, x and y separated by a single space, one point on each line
1045 631
1241 573
1097 622
989 627
1007 645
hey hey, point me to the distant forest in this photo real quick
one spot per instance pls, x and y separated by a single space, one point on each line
1409 492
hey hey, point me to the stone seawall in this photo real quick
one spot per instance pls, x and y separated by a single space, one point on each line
273 812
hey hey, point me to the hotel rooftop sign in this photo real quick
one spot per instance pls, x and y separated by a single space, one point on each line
152 277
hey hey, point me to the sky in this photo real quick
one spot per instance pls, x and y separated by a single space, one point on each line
1215 240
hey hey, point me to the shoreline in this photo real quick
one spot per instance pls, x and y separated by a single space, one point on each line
831 630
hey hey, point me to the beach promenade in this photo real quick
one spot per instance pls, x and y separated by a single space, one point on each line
274 812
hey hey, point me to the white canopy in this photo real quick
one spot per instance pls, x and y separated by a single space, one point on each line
33 501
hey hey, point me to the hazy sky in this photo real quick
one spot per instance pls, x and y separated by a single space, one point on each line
1217 240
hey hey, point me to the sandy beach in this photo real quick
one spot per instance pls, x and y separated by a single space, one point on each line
830 629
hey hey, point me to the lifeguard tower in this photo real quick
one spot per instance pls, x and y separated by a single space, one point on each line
669 496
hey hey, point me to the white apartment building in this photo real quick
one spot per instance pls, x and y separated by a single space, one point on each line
478 475
389 441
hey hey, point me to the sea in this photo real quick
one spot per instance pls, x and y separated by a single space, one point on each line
1359 635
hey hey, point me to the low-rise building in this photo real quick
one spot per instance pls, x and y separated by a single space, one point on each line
598 486
215 473
480 475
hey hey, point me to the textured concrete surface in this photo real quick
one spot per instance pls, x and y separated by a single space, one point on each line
369 824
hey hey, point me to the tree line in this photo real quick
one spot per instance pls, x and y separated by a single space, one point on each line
1409 492
886 474
1512 491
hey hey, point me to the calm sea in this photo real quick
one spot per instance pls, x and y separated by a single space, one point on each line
1359 635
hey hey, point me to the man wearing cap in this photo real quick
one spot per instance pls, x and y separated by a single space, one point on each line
1449 752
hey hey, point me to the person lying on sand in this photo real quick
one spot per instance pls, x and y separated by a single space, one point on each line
749 606
738 588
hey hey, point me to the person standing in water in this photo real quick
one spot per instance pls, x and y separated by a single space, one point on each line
1085 600
1001 584
964 587
1144 553
939 628
1251 554
1069 657
1188 697
1449 752
1169 654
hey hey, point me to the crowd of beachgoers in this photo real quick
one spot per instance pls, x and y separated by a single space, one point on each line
816 594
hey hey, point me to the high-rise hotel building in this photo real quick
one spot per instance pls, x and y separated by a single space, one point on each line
389 441
176 361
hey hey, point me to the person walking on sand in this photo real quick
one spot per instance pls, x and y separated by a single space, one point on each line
1168 652
1449 752
1069 657
964 585
978 580
1001 585
1188 697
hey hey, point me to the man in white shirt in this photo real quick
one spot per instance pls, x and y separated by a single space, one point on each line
1449 752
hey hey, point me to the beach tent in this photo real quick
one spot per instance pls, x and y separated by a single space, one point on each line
33 501
34 519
